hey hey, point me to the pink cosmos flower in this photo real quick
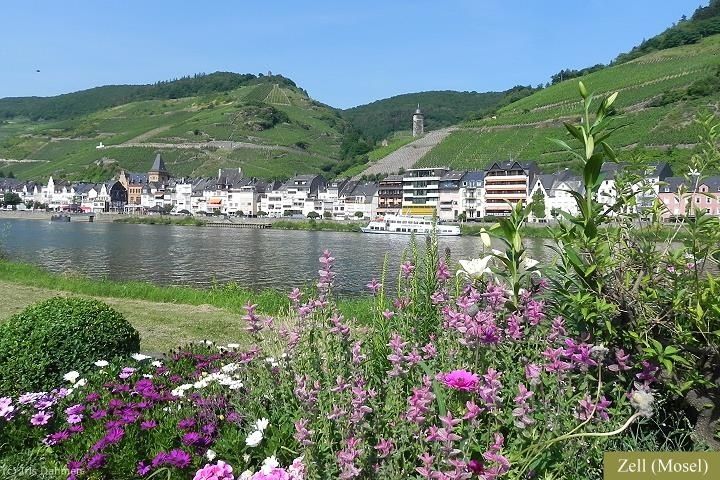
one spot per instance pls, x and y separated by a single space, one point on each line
219 471
460 380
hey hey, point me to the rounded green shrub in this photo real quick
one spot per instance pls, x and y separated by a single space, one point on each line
48 339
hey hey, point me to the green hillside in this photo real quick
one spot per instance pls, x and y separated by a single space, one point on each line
660 93
378 120
283 131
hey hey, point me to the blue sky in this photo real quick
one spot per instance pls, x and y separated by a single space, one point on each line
344 53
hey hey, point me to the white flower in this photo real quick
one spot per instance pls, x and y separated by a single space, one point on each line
201 384
71 376
246 475
269 464
643 402
262 424
233 346
476 267
236 385
485 238
81 383
270 359
254 439
147 375
139 357
210 455
246 458
229 368
529 263
102 363
157 364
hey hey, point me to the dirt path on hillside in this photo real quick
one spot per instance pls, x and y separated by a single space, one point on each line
162 326
144 136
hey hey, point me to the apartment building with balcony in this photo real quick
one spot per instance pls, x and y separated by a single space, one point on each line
390 195
506 184
472 194
450 201
421 191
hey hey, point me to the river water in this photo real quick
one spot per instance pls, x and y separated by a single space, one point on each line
200 256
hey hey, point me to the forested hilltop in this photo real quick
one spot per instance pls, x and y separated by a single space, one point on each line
703 23
87 101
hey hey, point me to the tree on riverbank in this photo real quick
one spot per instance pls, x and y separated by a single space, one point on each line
11 199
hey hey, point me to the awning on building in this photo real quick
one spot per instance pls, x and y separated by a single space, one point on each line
215 201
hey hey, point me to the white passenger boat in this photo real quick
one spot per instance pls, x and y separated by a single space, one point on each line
404 225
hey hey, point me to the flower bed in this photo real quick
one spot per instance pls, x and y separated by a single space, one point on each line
451 380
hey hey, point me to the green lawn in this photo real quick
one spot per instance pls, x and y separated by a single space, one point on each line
162 326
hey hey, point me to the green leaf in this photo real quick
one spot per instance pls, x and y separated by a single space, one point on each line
574 131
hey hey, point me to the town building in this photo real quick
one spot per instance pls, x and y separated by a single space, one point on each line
421 191
449 199
506 184
472 195
390 195
681 197
158 172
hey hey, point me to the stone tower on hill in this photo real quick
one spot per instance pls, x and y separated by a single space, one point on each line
418 123
158 173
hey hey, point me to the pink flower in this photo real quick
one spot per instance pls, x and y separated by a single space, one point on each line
460 380
219 471
40 418
271 474
407 269
374 286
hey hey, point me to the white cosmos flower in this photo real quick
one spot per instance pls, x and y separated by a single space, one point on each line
254 439
102 363
139 357
246 475
157 364
71 376
81 383
262 424
210 455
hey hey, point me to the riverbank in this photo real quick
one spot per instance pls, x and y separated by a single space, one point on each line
664 233
45 216
210 312
227 296
163 220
